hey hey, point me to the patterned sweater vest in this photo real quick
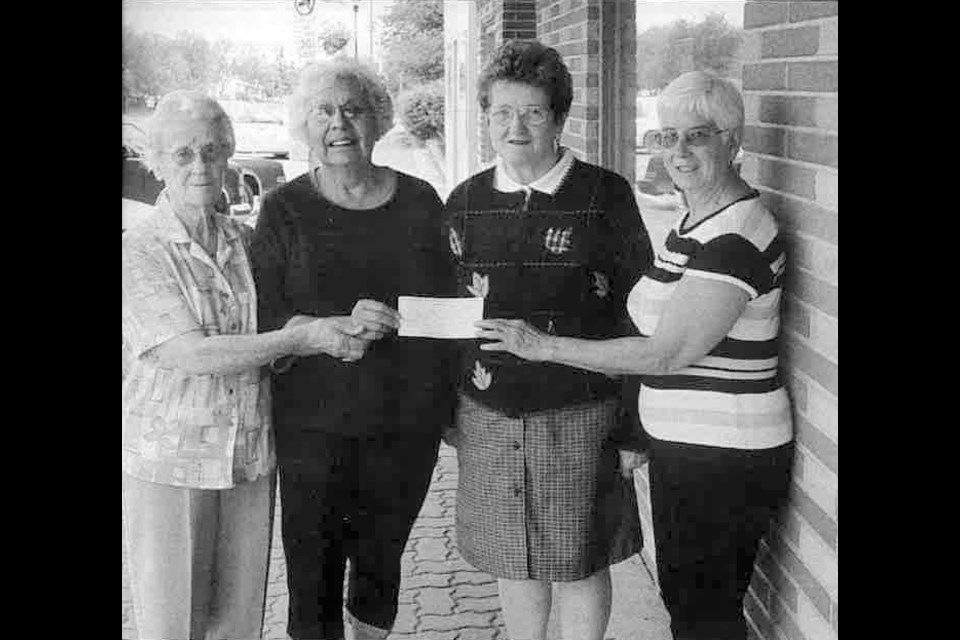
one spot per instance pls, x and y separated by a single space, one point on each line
563 262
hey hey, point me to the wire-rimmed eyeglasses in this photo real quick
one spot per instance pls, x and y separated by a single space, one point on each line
668 138
323 113
533 115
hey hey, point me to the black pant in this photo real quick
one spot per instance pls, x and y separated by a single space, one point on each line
710 507
343 498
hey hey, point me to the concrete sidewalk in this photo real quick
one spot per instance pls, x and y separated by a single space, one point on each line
444 598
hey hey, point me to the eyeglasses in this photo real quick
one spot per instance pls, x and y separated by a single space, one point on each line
209 153
668 138
323 113
532 115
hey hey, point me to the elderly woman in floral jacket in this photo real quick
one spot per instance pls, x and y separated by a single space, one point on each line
197 445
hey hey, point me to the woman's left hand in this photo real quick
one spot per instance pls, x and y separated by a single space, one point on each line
514 336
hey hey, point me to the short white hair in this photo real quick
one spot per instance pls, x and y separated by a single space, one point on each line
708 95
321 75
182 105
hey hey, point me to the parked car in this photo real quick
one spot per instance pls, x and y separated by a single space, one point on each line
261 174
258 128
139 184
264 146
241 188
646 120
656 181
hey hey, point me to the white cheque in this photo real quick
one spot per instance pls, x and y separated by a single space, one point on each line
439 317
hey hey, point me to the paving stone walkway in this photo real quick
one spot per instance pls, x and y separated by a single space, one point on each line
444 598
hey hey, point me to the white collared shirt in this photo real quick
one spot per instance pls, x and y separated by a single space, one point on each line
547 183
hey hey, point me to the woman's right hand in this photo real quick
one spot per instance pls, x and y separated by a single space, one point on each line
337 336
376 318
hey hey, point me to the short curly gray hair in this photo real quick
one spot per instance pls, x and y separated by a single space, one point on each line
179 105
529 62
321 75
708 95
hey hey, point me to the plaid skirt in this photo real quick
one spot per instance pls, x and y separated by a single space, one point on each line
541 497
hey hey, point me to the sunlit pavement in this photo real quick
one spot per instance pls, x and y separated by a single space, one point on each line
444 598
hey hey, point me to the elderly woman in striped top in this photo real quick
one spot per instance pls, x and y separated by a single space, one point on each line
708 312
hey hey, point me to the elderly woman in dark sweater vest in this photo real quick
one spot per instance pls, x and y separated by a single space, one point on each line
543 499
356 441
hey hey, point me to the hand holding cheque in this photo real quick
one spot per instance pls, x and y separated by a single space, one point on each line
460 318
448 318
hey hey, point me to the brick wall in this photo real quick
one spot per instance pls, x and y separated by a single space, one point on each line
519 19
790 85
490 17
618 87
572 27
501 20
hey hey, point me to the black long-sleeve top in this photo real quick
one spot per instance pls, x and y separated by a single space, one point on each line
564 262
312 257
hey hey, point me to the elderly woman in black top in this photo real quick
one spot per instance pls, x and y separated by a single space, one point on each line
558 242
356 441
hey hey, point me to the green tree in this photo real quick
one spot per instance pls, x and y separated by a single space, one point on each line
280 77
195 66
249 67
223 52
412 43
715 44
665 52
154 65
333 37
143 76
653 47
421 111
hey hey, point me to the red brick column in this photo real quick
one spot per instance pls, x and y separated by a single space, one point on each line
572 27
501 20
791 143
